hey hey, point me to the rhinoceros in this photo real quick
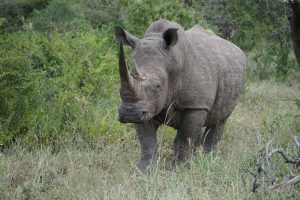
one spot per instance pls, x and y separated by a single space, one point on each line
189 80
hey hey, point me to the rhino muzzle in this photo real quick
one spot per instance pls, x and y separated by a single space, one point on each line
133 113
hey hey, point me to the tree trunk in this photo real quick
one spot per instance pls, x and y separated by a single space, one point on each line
294 20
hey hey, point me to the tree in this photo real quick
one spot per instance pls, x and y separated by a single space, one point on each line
294 20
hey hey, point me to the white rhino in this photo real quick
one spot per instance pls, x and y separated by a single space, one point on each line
185 79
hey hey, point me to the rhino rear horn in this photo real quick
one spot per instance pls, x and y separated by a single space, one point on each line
125 37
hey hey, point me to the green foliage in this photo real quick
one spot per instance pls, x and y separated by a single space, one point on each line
51 85
260 28
81 15
58 69
60 15
102 12
14 12
142 13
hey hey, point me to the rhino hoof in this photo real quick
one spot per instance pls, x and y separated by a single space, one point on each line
176 163
145 166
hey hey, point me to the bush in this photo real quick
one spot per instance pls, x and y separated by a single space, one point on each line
139 15
260 28
14 12
51 86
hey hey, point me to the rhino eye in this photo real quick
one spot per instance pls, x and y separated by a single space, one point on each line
157 86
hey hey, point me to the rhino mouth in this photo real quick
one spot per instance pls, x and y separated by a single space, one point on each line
130 113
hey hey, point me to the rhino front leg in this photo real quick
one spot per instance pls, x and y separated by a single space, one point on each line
190 127
148 143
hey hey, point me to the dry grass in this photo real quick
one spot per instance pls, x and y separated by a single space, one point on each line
107 171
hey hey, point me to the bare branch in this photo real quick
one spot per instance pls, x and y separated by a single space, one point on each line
297 142
264 168
268 146
284 156
291 182
259 164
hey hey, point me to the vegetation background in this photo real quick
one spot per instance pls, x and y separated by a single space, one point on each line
59 94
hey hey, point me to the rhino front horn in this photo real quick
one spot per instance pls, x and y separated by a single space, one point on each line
128 88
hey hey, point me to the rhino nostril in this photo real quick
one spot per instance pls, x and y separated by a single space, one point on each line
144 113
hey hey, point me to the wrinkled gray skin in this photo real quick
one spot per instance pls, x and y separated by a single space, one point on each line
185 79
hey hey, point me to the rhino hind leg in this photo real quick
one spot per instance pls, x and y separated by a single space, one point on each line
211 136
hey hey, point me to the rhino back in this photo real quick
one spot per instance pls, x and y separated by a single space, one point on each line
213 74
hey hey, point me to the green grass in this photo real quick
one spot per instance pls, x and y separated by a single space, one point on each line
105 169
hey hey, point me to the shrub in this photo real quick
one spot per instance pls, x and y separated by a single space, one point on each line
56 85
13 12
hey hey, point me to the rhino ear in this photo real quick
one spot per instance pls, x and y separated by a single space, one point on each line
170 37
125 37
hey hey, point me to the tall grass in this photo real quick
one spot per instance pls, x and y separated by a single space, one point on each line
106 170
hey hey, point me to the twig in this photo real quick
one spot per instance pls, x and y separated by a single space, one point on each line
267 161
259 164
291 182
263 161
284 156
297 142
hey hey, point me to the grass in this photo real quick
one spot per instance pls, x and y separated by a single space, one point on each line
106 170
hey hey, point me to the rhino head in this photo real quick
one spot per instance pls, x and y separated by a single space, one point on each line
145 89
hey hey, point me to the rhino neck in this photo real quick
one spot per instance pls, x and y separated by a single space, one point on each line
176 71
